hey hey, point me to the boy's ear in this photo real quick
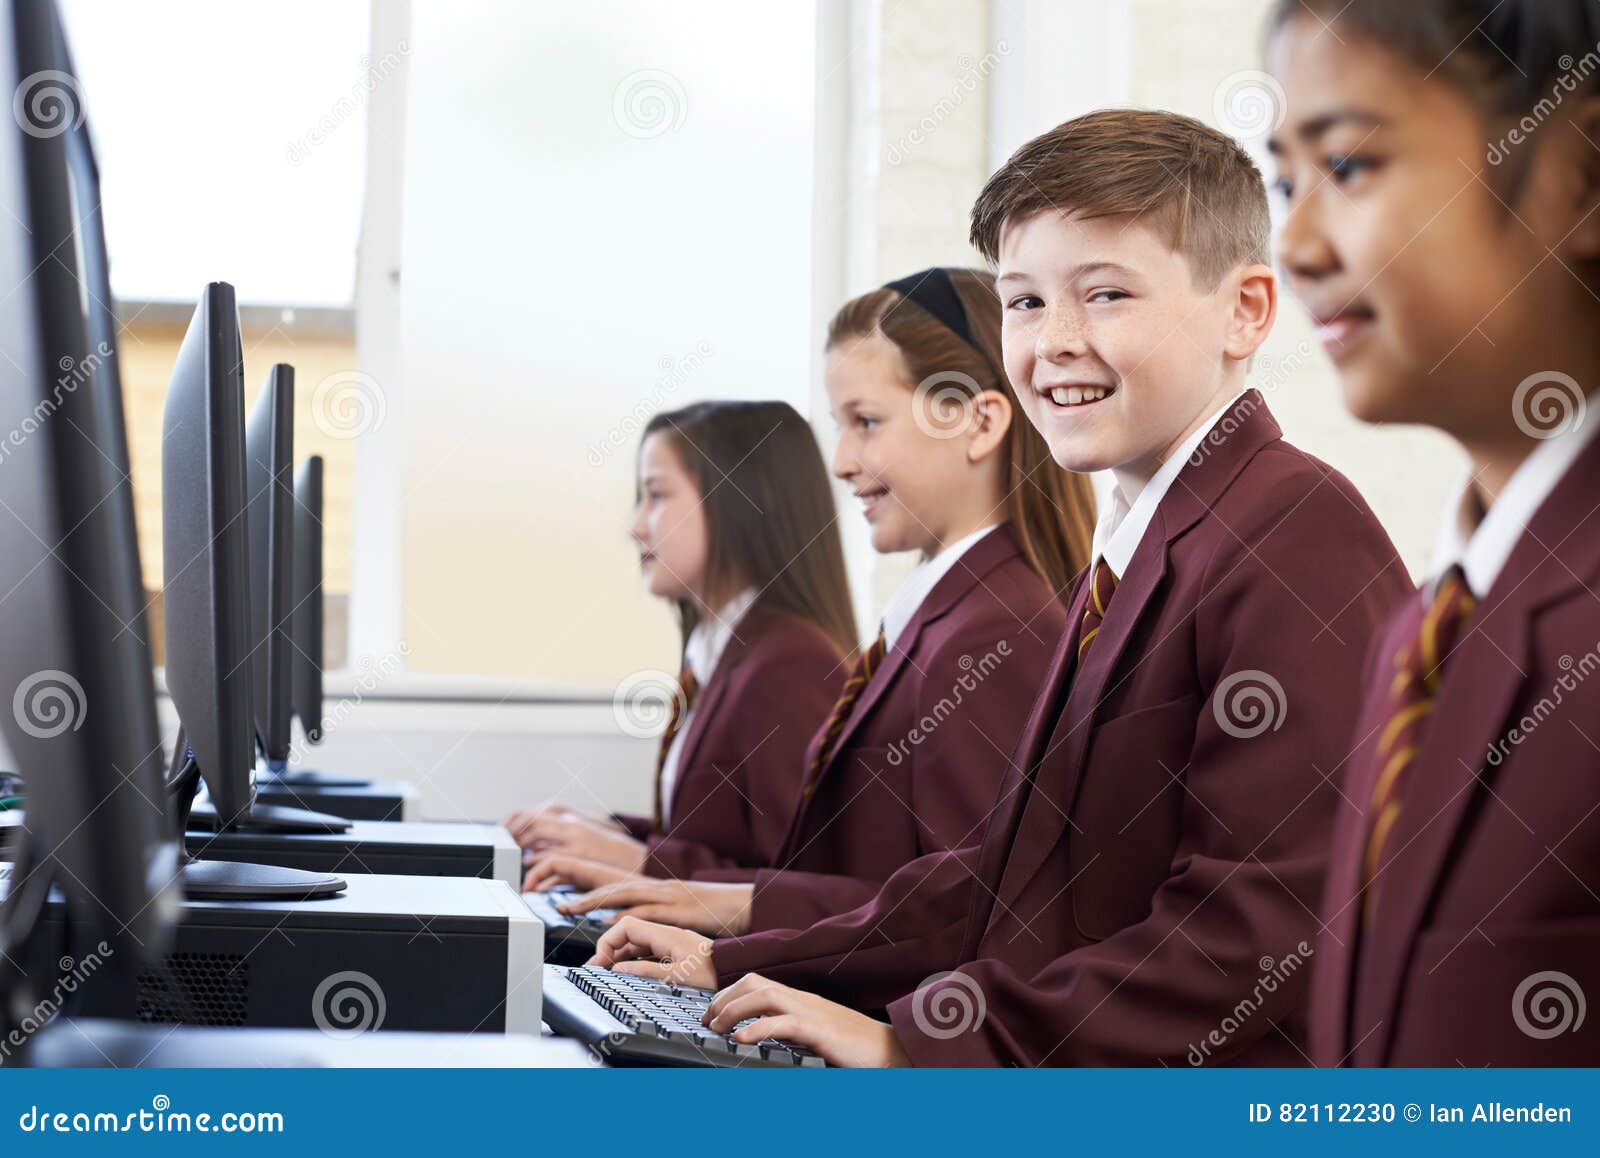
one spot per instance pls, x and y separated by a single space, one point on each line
1585 238
992 417
1255 308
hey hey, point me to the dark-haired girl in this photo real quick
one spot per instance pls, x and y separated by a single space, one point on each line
735 527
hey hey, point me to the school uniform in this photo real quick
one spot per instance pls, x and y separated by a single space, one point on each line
1157 839
912 759
1463 901
763 682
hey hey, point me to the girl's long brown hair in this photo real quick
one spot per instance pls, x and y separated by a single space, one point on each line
770 519
1051 510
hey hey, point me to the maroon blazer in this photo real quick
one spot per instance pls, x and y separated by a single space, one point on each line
921 757
1492 869
742 758
1146 891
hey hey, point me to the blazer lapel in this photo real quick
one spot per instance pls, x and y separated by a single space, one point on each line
705 711
1551 560
1060 766
981 558
1341 941
1016 785
1196 489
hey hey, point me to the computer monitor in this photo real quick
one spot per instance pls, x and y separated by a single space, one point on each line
75 669
210 642
269 453
306 633
307 618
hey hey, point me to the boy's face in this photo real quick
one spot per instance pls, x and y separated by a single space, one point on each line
1114 352
1425 286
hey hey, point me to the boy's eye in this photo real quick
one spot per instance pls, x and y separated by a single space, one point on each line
1108 295
1024 302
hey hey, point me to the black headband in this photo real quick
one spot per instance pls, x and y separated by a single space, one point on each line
933 290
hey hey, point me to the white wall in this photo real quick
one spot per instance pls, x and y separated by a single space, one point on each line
607 212
1184 57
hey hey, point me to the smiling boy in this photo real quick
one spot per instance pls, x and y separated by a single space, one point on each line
1158 846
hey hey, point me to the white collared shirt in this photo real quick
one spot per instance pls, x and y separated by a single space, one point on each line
1482 547
1122 524
702 652
921 582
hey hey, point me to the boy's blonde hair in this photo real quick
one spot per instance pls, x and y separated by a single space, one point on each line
1194 186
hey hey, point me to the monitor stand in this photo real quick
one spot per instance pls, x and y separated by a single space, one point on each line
268 818
278 773
210 880
225 880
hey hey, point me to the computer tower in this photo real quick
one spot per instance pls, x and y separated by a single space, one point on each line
391 952
411 848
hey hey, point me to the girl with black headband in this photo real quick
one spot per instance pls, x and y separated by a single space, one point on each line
910 760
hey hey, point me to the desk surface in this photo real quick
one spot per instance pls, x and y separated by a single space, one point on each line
96 1042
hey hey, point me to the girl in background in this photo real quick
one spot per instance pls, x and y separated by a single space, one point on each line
736 528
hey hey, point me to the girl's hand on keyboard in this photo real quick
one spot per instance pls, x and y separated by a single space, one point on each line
581 836
659 952
520 823
841 1035
718 910
559 868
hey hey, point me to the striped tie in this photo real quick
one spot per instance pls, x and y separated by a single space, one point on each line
1416 684
1103 586
859 678
688 689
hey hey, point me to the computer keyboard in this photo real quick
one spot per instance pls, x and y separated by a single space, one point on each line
568 940
628 1020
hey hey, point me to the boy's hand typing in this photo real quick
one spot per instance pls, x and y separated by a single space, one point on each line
560 868
841 1035
659 952
718 910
